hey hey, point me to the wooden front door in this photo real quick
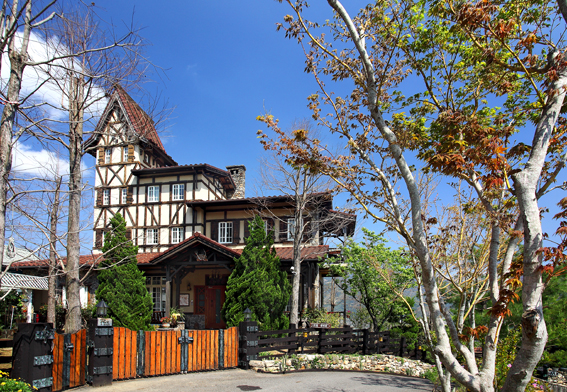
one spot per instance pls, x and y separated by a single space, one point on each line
214 299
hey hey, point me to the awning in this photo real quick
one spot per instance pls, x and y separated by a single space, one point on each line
19 281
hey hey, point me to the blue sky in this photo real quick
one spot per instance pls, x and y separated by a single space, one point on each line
222 64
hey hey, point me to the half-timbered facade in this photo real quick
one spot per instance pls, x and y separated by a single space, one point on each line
189 221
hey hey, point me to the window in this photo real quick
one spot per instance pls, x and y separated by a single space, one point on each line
176 235
178 191
106 197
146 158
156 288
152 236
290 229
107 155
153 193
125 153
124 196
225 232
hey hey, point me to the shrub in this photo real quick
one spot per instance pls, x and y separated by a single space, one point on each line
10 385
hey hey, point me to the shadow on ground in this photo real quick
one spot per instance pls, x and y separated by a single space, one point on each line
410 383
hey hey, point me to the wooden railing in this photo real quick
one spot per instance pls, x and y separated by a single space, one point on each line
319 340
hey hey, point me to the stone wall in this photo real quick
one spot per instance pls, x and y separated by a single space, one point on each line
376 363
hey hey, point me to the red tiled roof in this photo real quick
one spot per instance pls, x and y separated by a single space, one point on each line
284 253
307 252
142 258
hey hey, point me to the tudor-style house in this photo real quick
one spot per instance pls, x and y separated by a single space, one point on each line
190 221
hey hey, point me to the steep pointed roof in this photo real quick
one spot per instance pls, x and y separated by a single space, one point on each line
140 122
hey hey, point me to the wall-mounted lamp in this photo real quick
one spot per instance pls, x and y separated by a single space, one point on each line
189 286
247 314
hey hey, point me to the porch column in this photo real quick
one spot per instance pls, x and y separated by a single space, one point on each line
167 290
316 286
167 297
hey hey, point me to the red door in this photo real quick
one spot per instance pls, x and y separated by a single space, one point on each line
214 299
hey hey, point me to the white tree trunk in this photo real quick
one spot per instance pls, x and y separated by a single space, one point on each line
534 331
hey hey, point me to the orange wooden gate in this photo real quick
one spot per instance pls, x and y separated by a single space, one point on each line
69 360
155 353
231 347
125 353
162 353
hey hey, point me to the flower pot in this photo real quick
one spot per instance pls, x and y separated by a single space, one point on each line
165 325
181 325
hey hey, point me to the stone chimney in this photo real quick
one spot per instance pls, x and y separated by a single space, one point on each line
238 174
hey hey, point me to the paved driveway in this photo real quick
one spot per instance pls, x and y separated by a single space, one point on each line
248 380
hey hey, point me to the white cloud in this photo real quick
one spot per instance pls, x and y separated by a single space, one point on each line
39 50
38 163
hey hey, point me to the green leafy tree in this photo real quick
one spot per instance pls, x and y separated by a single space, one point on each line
258 283
121 284
371 270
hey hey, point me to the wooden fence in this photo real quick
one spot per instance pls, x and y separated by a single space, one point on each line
52 361
321 341
156 353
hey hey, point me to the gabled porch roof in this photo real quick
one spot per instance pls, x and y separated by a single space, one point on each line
196 250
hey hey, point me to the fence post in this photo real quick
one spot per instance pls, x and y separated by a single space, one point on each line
365 342
32 354
320 341
402 344
101 346
248 343
141 346
291 334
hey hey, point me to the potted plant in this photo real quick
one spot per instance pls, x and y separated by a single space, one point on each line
177 318
165 322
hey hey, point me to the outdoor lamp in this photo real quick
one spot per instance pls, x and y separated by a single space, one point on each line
101 308
247 314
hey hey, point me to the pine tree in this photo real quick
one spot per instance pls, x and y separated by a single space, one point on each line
121 284
258 283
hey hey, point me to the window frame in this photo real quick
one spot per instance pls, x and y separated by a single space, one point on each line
108 155
124 195
180 235
155 236
106 197
180 190
223 234
151 196
125 152
156 289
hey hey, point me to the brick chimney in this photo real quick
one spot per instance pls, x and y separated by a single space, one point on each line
238 174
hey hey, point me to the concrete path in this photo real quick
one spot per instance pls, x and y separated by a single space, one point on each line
248 380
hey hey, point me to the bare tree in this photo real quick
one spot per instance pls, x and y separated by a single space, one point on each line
14 44
100 61
310 201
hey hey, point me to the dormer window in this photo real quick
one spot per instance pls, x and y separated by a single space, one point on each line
107 155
